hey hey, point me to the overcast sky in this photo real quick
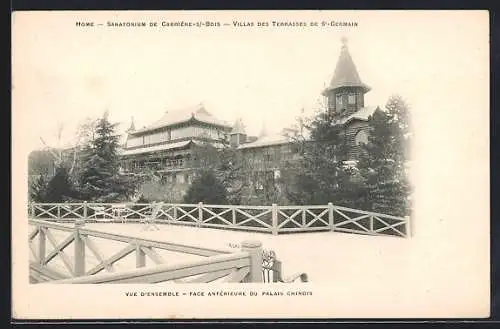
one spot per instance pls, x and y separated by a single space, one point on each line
65 73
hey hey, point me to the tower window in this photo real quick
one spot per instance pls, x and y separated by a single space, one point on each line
331 102
352 99
338 99
361 137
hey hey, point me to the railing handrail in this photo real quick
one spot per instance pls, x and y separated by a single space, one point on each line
240 258
194 250
273 219
283 207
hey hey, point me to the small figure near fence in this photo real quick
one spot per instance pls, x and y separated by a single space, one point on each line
272 270
149 221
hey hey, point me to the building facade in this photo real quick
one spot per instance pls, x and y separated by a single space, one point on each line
165 146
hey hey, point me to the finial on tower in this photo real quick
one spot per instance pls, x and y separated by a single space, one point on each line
344 41
132 125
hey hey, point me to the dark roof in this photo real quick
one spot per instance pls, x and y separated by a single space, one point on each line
198 113
363 114
346 74
267 140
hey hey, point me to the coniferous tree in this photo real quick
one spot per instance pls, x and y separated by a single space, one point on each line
227 166
386 157
99 177
37 188
319 176
59 187
206 188
231 174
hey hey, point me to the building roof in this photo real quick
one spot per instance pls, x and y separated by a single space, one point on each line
282 138
197 112
165 147
267 140
362 114
155 148
346 74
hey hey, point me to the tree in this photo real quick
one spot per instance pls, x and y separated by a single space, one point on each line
40 162
59 187
231 174
206 188
386 157
38 187
99 177
319 175
225 163
262 168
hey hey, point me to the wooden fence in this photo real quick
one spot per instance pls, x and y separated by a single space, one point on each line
249 264
273 219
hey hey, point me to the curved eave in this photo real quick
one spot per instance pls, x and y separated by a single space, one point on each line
156 148
363 87
349 120
190 120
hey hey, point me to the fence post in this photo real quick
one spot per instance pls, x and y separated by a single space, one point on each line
175 212
58 211
42 240
85 209
32 209
330 217
409 228
233 212
200 213
79 248
274 214
140 256
254 248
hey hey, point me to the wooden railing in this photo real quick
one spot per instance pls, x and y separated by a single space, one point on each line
273 219
249 264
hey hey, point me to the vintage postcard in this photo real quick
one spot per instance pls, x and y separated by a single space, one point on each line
250 164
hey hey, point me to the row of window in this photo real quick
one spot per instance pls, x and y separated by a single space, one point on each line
156 164
351 99
168 135
179 178
340 99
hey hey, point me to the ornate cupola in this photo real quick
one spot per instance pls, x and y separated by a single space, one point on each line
238 135
132 126
345 95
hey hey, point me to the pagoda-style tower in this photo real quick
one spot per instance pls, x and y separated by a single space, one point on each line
345 95
238 134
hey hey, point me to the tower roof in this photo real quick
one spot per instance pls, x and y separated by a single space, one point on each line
238 127
197 112
132 125
346 74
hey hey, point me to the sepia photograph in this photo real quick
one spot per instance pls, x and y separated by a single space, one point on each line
334 161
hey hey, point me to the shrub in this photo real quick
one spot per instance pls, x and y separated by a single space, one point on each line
206 188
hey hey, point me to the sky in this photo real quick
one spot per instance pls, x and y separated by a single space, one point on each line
263 75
